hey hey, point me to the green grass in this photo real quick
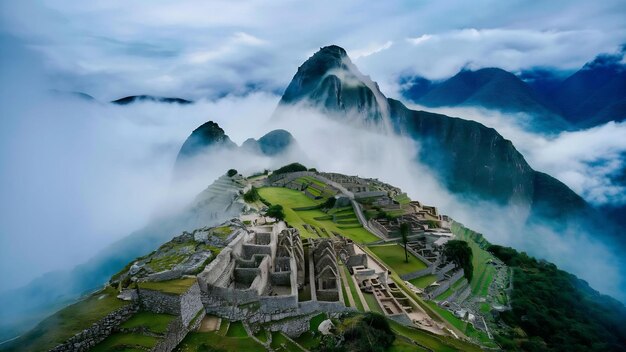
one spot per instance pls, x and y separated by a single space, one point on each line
222 231
236 329
401 345
287 197
281 343
178 286
315 322
308 340
70 320
126 342
372 303
402 199
223 327
194 340
393 256
483 272
429 340
291 199
261 335
466 328
353 289
424 281
156 323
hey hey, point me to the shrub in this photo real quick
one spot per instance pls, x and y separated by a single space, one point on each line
231 172
293 167
276 211
252 195
329 203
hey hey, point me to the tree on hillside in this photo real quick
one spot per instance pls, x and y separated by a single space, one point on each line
460 253
252 195
275 211
404 232
231 172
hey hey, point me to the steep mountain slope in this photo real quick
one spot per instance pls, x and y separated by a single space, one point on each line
469 158
206 136
597 88
273 143
331 81
492 88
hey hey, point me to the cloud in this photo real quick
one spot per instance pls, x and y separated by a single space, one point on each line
199 49
369 50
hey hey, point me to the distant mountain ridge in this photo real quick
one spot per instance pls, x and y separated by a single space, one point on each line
593 95
142 98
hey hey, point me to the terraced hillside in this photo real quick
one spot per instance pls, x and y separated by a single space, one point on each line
304 214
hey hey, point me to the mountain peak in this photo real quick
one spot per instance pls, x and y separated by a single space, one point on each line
206 135
333 50
330 81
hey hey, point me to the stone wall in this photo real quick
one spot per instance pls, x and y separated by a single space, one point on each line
177 330
165 275
282 278
159 302
446 284
293 326
96 333
362 195
190 304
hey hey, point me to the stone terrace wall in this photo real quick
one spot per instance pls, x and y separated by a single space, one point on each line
86 339
186 305
159 302
177 330
446 284
191 304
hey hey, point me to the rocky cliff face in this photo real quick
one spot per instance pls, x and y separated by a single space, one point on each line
329 80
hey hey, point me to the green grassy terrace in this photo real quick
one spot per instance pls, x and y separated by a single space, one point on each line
177 287
291 200
202 341
393 256
483 272
153 322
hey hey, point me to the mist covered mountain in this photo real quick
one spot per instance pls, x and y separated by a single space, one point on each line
591 96
491 88
150 98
